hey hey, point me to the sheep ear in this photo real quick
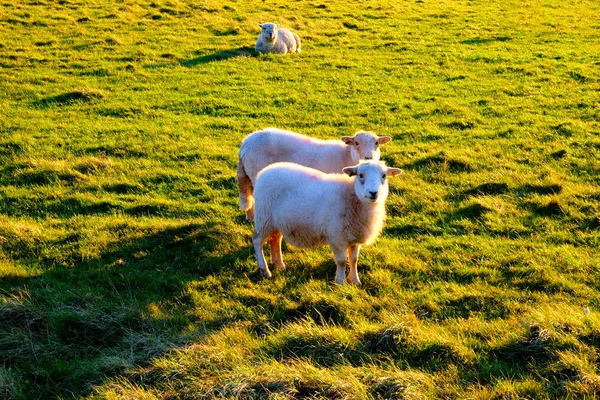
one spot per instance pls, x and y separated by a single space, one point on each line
383 140
350 171
393 171
347 140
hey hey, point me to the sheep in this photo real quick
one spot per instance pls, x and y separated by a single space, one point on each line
274 39
310 208
271 145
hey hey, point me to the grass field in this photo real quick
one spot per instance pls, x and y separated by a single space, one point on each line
126 268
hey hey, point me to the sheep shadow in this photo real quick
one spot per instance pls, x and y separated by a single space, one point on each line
244 51
108 304
69 98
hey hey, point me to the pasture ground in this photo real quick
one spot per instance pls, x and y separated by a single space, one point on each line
126 269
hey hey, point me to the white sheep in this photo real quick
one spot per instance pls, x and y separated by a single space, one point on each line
271 145
274 39
310 208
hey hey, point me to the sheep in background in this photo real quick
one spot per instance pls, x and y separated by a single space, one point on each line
310 208
274 39
271 145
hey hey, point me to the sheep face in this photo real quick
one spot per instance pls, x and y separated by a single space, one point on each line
365 145
269 31
370 184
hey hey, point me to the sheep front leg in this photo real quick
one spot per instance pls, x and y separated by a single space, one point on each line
339 254
275 242
257 241
353 258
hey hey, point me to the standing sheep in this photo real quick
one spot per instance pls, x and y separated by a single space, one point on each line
310 208
271 145
274 39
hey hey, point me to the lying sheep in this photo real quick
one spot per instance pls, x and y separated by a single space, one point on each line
310 208
274 39
271 145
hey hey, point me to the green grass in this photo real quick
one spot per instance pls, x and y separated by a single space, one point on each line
126 268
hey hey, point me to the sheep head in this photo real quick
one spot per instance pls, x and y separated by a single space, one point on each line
269 31
365 145
370 184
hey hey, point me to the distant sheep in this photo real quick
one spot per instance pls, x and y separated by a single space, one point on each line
271 145
274 39
310 208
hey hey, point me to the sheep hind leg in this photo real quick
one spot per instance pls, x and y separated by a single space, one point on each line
298 44
245 191
340 256
250 214
353 261
276 257
258 240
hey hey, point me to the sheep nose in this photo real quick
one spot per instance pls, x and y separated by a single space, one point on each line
368 158
373 194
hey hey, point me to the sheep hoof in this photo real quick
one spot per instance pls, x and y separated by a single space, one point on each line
357 282
266 273
281 266
340 282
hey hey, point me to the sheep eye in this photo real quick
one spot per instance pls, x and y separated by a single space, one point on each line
383 176
361 176
356 144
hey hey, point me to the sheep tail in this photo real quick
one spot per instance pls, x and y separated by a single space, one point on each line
245 189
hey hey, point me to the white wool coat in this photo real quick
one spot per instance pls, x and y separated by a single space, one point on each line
311 208
271 145
286 42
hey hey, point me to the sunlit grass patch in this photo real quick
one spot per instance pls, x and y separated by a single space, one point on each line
126 267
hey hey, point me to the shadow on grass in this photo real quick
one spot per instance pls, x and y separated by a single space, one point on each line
440 161
398 342
486 189
499 188
133 303
80 95
54 326
244 51
479 40
71 206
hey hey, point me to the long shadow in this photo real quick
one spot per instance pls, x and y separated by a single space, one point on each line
438 161
534 351
244 51
111 304
394 343
74 316
501 188
479 40
81 95
483 189
69 317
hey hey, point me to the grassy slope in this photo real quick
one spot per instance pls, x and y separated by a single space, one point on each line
125 265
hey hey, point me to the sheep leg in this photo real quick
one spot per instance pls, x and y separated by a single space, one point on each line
250 214
258 240
340 256
297 40
275 242
245 190
353 258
